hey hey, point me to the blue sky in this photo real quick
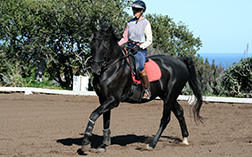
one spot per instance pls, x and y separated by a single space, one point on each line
224 26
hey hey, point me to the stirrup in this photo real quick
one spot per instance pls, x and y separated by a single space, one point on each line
147 94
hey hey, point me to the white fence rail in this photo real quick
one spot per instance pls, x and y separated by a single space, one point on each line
29 90
190 99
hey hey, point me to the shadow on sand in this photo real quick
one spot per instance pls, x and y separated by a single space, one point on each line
122 140
96 140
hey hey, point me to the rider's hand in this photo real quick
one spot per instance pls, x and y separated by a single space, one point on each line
135 49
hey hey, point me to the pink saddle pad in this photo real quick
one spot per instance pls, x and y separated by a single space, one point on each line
153 71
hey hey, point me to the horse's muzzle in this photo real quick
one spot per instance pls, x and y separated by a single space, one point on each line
96 69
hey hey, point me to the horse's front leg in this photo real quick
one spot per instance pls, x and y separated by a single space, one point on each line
105 107
106 132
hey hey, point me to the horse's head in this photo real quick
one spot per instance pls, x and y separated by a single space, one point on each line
101 48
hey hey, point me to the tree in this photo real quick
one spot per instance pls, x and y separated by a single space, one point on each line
57 31
71 23
16 44
237 79
171 38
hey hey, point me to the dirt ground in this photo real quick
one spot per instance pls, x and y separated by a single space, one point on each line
52 125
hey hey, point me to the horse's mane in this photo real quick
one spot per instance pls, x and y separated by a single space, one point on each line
106 28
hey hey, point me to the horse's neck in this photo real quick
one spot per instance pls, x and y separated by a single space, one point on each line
116 53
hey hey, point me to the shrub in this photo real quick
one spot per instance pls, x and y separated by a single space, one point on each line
237 79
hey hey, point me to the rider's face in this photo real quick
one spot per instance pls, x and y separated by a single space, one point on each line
137 12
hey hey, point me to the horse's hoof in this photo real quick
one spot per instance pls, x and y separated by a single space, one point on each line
148 147
185 141
85 148
102 148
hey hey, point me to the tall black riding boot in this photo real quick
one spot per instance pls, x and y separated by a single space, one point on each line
144 77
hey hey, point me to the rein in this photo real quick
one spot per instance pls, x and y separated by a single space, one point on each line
103 62
122 58
102 38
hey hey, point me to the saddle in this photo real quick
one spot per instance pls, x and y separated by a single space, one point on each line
151 67
137 89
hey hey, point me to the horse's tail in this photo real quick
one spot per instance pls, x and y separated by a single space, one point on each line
195 86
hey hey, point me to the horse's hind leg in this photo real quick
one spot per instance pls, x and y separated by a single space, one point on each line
179 113
164 121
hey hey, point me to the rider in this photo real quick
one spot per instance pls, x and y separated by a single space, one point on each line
138 34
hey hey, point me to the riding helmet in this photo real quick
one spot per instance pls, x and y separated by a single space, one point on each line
138 4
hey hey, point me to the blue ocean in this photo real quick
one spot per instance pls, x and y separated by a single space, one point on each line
224 59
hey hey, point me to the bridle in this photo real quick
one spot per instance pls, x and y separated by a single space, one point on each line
102 63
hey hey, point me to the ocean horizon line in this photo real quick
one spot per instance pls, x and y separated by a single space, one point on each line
224 59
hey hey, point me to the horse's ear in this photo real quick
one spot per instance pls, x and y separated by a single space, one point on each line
110 29
116 35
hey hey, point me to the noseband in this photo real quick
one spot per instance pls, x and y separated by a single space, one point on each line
102 63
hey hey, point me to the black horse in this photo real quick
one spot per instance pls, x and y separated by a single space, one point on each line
112 82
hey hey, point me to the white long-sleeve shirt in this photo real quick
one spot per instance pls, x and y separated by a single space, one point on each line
138 32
